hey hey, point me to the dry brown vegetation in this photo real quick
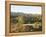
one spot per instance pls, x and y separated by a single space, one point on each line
18 23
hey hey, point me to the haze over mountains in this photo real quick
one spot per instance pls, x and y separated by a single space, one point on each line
21 13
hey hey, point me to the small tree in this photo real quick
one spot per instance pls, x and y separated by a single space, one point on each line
36 22
20 22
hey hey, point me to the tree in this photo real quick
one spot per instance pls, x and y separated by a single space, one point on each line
20 23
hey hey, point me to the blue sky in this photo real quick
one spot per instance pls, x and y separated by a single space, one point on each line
26 9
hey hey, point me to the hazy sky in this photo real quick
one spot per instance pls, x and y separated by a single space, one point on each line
26 9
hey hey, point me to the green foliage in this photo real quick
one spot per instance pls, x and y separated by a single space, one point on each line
20 19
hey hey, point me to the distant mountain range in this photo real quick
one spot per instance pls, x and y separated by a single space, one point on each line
16 13
21 13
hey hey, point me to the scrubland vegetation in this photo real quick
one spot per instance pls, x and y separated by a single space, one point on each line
21 22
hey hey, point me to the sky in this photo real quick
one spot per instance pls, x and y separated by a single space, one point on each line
26 9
